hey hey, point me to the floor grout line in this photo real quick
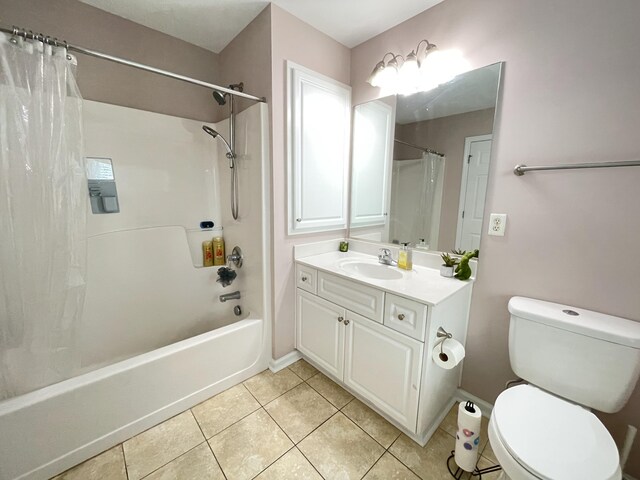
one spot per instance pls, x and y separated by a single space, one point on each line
265 468
404 464
230 425
172 460
374 464
124 460
206 440
310 463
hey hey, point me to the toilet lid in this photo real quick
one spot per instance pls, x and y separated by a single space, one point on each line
553 438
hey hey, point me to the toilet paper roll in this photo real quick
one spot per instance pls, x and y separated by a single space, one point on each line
449 355
468 436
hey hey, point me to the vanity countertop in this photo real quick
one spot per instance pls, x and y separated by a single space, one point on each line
423 284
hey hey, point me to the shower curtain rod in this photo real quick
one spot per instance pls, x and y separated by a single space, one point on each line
21 32
417 147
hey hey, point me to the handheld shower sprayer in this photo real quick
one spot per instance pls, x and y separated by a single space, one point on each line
230 155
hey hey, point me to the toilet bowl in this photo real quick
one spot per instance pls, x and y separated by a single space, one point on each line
538 436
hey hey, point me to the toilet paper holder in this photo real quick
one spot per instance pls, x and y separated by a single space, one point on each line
442 336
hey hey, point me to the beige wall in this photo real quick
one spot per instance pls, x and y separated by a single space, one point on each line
446 135
107 82
247 59
570 94
294 40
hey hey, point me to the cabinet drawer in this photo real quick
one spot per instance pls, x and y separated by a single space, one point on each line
405 316
307 278
353 296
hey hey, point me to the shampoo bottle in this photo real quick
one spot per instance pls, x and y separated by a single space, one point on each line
207 253
218 251
404 257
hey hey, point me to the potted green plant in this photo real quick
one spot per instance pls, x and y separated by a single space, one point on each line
463 272
447 269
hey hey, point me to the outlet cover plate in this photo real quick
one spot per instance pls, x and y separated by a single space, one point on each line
497 224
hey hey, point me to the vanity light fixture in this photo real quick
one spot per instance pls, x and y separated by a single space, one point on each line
420 70
391 75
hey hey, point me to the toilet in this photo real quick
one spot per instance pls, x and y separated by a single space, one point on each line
574 360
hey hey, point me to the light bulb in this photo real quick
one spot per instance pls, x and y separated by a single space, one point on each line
409 75
441 67
374 78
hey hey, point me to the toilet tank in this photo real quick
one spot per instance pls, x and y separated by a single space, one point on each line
586 357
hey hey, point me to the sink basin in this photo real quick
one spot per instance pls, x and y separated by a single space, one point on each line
371 270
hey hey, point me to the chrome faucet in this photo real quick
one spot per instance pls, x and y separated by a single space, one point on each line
230 296
385 258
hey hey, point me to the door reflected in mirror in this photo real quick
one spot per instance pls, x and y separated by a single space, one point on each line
420 164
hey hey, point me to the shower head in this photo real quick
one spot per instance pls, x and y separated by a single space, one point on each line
230 155
210 131
219 97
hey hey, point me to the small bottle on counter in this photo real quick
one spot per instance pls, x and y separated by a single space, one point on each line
218 251
207 253
405 257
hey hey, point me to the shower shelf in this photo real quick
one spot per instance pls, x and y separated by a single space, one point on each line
195 237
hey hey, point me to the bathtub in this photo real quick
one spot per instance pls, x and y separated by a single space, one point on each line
45 432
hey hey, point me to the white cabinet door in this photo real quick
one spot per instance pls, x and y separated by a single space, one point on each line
320 331
319 123
373 129
383 366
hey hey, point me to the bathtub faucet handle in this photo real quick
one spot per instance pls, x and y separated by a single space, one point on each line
235 257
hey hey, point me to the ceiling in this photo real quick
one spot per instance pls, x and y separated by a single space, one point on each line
468 92
212 24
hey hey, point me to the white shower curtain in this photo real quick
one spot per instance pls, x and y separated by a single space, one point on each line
43 201
416 199
426 209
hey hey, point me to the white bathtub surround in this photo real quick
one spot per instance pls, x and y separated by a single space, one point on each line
145 295
373 328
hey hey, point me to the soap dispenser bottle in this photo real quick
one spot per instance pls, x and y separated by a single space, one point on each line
405 257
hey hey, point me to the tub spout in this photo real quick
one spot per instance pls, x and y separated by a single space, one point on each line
230 296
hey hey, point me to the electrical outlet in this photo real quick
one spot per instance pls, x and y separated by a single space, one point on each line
497 224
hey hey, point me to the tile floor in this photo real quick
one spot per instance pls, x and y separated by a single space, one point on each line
295 424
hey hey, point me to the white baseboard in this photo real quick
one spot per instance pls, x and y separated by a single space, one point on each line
275 365
485 407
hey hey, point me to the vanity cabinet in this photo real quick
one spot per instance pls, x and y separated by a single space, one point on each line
378 344
380 364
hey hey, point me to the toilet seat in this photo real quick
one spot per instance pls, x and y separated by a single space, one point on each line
552 438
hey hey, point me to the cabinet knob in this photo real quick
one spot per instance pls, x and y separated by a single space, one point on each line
341 319
304 279
298 220
401 316
347 322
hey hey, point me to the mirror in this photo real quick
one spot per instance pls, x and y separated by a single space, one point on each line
420 164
